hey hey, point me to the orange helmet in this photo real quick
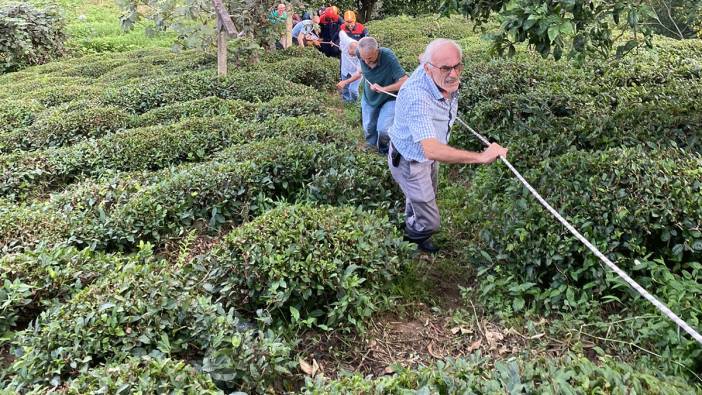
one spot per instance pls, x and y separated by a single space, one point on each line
332 11
349 16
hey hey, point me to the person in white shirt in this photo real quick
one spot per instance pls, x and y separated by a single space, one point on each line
350 68
306 31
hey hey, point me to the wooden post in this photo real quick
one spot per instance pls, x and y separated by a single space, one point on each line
221 49
288 32
225 28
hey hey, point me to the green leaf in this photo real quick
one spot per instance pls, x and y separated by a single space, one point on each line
295 313
567 28
553 32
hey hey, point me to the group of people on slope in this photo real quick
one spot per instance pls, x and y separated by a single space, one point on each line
413 128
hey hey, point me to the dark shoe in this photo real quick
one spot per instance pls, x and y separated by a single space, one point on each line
428 247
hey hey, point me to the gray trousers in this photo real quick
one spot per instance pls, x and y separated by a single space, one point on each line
419 183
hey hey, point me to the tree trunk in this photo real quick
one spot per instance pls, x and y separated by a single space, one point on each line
365 9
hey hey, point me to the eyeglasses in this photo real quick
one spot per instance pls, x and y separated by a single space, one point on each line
446 70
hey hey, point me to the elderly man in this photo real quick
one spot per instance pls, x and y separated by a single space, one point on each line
350 68
279 15
428 104
383 73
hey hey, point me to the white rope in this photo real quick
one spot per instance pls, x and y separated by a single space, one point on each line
659 305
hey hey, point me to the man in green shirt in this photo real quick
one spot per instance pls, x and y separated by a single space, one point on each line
279 15
382 72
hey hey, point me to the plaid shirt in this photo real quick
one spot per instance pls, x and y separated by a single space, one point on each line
421 112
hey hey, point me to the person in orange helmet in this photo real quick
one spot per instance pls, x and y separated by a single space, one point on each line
353 29
330 25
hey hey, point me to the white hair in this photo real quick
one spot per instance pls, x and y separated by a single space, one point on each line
434 45
367 43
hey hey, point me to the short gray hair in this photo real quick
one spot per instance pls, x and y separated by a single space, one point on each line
434 45
367 44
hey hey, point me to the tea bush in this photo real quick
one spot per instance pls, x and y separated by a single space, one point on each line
211 192
240 182
145 309
629 202
56 94
18 113
26 174
64 125
294 52
294 106
354 179
279 106
25 225
48 275
145 94
306 128
15 89
232 188
319 73
207 107
153 63
311 267
144 375
256 86
91 66
474 375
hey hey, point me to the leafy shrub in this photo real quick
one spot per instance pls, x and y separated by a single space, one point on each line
475 375
132 73
54 95
354 178
312 127
25 226
145 309
29 35
307 266
395 31
234 187
49 90
141 96
256 86
48 275
157 62
13 294
146 94
208 107
18 113
294 52
91 66
26 174
293 106
538 111
629 203
144 375
318 73
239 184
65 125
